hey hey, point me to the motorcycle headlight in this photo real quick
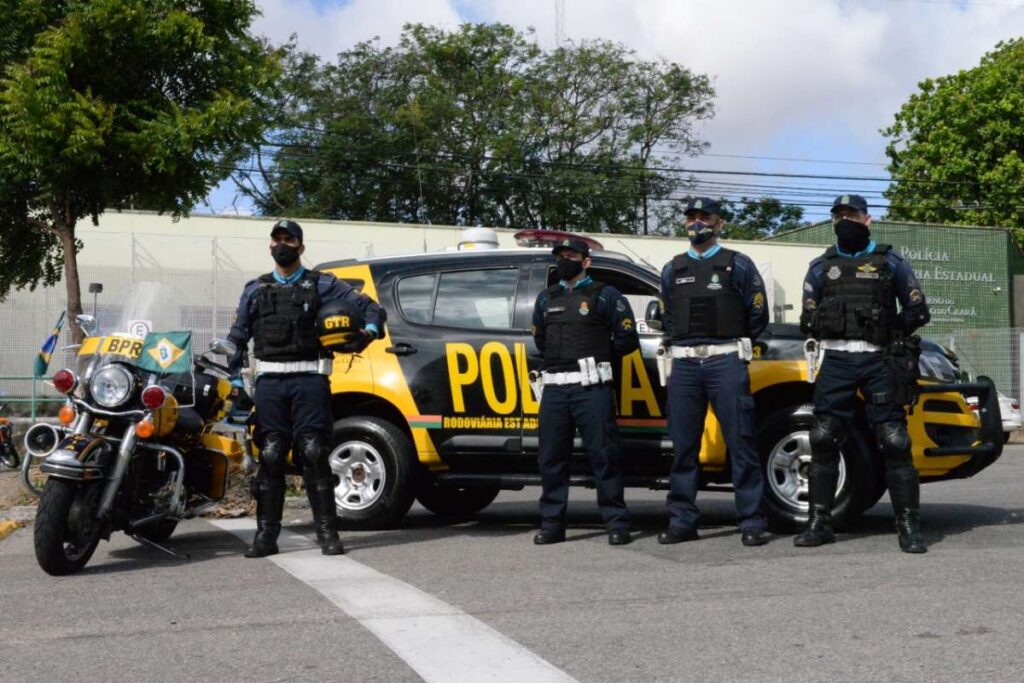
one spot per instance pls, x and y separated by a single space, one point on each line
111 386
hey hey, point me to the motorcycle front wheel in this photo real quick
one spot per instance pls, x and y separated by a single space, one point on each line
66 531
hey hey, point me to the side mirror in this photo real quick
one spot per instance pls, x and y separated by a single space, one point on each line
87 323
223 347
653 311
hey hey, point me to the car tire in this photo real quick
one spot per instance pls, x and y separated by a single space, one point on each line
454 500
375 463
783 440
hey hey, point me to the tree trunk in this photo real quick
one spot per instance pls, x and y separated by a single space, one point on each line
73 286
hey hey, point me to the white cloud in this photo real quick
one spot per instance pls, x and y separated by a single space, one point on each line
327 28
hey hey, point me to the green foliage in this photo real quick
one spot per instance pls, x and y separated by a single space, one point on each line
956 147
110 104
753 219
479 126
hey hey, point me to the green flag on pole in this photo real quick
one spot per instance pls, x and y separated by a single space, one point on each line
46 352
166 353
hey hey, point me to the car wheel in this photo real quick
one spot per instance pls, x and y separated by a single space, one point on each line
783 440
453 500
375 465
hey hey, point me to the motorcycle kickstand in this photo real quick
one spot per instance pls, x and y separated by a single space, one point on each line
153 544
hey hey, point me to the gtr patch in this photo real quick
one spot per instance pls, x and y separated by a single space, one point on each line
685 280
584 308
715 282
834 273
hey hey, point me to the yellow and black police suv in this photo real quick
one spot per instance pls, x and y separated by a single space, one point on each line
441 409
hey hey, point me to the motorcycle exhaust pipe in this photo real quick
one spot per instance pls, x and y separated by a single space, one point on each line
41 439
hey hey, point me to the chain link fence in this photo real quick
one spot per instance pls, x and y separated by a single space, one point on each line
994 351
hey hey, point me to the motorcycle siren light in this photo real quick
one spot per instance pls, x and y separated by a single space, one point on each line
65 381
67 414
153 397
145 429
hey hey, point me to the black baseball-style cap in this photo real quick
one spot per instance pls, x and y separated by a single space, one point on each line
289 226
705 204
853 201
575 244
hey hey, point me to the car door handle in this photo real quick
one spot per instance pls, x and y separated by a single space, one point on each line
401 349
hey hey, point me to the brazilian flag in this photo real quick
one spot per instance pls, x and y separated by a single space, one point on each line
166 353
46 352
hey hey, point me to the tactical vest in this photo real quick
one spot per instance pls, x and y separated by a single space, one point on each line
574 329
284 323
858 300
703 302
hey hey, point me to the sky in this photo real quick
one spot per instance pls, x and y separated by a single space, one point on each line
803 86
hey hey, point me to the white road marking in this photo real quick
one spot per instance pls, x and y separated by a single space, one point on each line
438 641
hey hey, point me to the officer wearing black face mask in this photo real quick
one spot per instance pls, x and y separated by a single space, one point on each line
279 311
850 296
713 305
583 328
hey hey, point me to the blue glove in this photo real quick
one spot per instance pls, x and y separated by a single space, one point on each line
237 383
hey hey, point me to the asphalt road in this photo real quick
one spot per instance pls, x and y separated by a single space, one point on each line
435 599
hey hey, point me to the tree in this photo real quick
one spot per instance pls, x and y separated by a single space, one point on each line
956 150
479 126
756 219
110 104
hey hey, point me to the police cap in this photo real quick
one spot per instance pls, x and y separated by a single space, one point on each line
852 201
705 204
574 244
291 227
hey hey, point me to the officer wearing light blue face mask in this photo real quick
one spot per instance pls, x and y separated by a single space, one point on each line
713 305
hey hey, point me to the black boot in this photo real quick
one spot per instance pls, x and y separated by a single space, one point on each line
905 492
822 494
325 515
269 504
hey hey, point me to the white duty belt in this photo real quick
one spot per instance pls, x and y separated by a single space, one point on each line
742 347
849 346
324 366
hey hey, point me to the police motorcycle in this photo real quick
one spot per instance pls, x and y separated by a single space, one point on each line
137 451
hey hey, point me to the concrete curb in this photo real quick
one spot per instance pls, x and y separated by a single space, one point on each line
7 527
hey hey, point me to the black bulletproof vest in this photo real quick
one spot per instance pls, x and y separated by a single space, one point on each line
573 328
703 301
857 297
284 324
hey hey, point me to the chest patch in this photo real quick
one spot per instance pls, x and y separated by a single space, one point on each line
834 272
685 280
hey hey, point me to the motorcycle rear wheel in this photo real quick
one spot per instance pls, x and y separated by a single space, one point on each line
66 532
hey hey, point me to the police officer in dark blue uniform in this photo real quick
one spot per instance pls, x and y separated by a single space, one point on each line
713 306
849 305
279 311
583 328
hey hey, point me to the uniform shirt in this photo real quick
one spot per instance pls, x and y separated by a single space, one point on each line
913 305
328 287
745 279
610 305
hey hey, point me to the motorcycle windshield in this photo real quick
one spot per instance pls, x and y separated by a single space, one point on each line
144 308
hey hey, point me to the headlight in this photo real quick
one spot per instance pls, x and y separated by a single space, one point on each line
111 386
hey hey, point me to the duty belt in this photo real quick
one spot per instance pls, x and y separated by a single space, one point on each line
562 378
850 346
324 366
705 350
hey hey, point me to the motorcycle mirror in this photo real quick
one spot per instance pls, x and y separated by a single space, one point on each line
223 347
87 323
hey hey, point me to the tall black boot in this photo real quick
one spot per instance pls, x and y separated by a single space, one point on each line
821 496
269 506
325 514
905 492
